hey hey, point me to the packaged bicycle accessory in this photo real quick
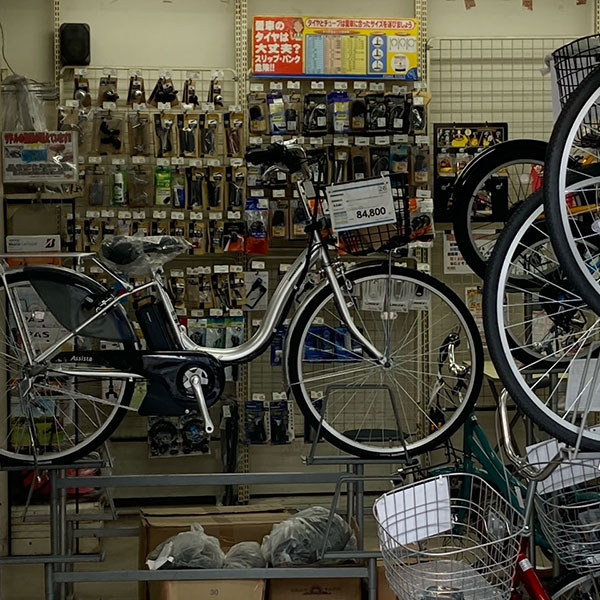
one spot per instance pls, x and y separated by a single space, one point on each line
237 290
215 90
277 120
341 156
277 344
176 285
216 188
420 165
187 126
421 219
207 299
92 229
162 185
209 133
399 158
196 187
161 226
236 179
299 220
358 115
194 439
216 231
177 228
293 111
233 236
360 163
107 90
196 328
278 210
81 91
397 111
380 160
139 134
109 227
257 222
339 106
136 94
376 112
108 130
257 111
215 331
417 121
300 539
234 128
197 237
189 93
315 114
164 135
280 420
234 336
255 422
192 295
163 438
119 195
141 185
178 188
95 188
257 287
446 165
164 92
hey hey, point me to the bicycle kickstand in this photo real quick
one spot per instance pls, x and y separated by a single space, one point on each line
196 382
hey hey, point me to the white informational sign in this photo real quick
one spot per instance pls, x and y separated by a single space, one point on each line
583 375
416 513
454 263
39 156
24 244
361 204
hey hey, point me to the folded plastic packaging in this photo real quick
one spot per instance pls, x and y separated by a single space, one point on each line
187 550
245 555
300 539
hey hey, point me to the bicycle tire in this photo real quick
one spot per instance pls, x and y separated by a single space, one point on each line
470 181
570 584
499 340
117 315
556 180
294 351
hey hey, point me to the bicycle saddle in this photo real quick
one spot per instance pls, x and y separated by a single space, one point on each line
141 255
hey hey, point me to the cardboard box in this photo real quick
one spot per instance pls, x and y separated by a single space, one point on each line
223 590
315 589
230 524
383 589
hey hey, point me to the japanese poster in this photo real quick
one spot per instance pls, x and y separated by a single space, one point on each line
39 156
330 47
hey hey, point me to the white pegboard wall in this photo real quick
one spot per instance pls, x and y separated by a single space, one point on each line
492 80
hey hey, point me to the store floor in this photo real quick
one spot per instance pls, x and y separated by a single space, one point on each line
27 582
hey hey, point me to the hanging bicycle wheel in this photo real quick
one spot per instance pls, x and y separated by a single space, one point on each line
50 416
574 151
423 392
487 192
531 309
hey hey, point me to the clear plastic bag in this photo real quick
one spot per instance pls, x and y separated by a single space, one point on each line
141 255
300 539
187 550
245 555
22 109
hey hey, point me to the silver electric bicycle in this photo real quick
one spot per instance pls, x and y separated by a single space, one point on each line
383 360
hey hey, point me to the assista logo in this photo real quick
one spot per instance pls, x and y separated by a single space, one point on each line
81 359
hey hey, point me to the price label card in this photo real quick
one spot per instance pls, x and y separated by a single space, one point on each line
423 193
360 85
163 162
236 269
276 139
257 265
278 193
195 163
257 87
400 138
124 214
276 85
235 215
215 312
139 214
237 162
139 106
360 204
159 214
361 141
340 140
255 141
109 105
382 140
164 106
340 85
95 160
72 103
422 139
399 90
138 160
108 214
221 268
317 85
215 216
196 216
213 162
118 161
377 86
178 160
177 216
293 85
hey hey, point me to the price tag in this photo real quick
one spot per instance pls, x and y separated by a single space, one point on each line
140 106
293 85
235 108
236 312
256 322
377 86
176 273
419 101
235 215
124 214
138 160
360 85
221 268
279 396
178 160
257 87
278 193
276 85
257 265
159 214
196 216
237 162
426 205
139 214
420 85
340 140
262 203
164 106
422 139
195 163
400 90
316 395
108 214
340 85
423 193
213 162
257 193
215 312
109 105
356 205
284 267
177 216
258 397
92 214
361 141
95 160
316 141
236 269
118 161
276 139
187 107
255 141
400 138
317 85
72 103
207 107
197 313
163 162
382 140
215 216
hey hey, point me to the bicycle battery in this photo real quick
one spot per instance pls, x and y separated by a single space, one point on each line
155 325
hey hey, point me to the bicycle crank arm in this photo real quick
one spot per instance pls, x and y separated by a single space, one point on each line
196 384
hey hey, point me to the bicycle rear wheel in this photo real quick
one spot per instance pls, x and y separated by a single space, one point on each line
414 402
572 586
530 308
510 170
51 417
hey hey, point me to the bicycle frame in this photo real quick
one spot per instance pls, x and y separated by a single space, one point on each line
277 310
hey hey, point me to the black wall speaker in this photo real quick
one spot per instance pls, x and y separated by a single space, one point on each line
75 44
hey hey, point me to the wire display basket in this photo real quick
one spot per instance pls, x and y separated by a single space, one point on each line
411 225
568 507
452 537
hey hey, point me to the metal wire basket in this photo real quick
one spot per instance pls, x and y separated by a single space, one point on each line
452 537
568 507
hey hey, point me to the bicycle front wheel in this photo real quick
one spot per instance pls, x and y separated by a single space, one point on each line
572 586
420 396
49 416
